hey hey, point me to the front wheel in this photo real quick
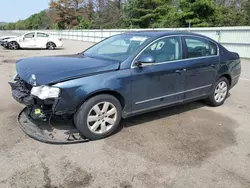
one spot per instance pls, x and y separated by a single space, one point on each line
98 117
220 92
13 45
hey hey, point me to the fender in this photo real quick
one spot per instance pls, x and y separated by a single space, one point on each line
79 90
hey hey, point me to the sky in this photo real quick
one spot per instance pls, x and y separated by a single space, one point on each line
14 10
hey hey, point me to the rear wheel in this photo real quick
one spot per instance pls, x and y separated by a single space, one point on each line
13 45
220 92
51 45
98 117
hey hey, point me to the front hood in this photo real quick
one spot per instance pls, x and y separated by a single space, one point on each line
7 37
54 69
13 39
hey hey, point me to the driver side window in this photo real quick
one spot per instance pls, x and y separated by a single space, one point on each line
29 35
164 50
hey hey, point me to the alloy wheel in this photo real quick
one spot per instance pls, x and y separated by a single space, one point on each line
102 117
13 46
220 92
51 46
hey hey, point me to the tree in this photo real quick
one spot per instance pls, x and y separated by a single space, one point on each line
109 13
198 13
232 13
106 14
169 17
36 21
229 16
67 11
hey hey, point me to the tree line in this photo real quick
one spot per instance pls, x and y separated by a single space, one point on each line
107 14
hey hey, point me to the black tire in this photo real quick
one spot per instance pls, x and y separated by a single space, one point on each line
51 46
13 45
211 100
80 117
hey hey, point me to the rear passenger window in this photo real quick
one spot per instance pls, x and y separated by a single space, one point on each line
198 47
42 35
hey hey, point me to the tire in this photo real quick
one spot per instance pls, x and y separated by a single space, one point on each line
13 45
219 93
98 117
51 46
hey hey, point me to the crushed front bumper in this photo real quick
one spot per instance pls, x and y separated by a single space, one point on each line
4 43
61 132
40 109
37 119
21 92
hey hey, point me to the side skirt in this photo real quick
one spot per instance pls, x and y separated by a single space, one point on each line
159 107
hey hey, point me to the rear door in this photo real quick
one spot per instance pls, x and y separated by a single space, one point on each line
202 61
41 39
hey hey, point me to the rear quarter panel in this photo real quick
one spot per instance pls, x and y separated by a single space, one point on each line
55 40
230 64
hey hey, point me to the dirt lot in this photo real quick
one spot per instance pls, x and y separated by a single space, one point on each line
186 146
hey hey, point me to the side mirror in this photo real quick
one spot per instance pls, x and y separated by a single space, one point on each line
145 59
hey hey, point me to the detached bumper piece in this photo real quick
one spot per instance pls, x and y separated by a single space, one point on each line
21 92
40 109
60 133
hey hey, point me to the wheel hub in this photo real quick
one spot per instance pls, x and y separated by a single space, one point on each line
220 91
102 117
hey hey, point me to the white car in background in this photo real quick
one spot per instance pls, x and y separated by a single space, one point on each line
33 40
4 38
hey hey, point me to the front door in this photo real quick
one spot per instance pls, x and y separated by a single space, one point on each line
202 61
28 40
161 83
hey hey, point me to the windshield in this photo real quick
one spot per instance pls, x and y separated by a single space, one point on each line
118 47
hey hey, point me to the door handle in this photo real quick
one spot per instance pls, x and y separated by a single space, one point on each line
180 71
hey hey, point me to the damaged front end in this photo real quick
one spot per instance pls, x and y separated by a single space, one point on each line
38 120
39 109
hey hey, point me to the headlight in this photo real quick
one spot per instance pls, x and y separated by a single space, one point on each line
45 92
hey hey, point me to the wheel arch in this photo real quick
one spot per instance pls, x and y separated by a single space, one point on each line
14 41
116 94
50 42
228 77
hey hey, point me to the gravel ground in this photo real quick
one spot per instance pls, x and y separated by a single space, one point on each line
181 147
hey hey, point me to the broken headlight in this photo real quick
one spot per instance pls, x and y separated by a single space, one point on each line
45 92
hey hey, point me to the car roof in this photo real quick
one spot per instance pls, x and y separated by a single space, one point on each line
160 33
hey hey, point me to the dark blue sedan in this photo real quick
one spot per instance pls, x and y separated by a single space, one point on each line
126 75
